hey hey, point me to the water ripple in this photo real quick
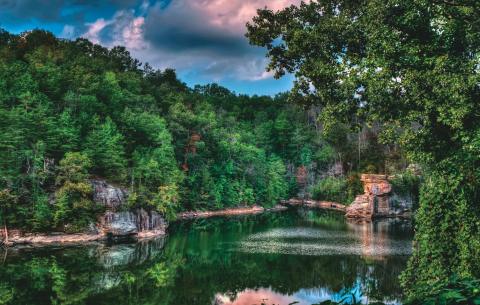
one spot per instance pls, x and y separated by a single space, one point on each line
308 241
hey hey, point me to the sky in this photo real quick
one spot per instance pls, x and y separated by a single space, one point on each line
203 40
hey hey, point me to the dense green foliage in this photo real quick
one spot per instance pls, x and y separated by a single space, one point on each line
74 207
340 189
412 66
72 110
456 291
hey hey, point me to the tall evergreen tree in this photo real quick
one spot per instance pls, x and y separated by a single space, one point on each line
105 147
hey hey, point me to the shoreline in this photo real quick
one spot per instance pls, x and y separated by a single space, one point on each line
17 238
255 209
315 204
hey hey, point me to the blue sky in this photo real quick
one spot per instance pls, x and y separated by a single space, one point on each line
203 40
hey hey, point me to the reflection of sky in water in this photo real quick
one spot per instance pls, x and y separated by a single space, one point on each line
302 297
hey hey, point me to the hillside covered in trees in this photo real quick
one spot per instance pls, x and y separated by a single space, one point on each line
73 110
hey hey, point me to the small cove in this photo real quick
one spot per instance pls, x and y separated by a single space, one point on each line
278 258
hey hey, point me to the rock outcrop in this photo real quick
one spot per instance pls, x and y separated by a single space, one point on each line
110 196
360 208
118 220
375 200
131 223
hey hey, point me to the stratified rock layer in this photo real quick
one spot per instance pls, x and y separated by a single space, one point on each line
127 223
375 201
118 221
110 196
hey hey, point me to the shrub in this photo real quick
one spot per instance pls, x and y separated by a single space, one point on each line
333 189
456 291
407 185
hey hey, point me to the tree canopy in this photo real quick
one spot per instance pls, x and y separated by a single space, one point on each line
413 67
71 111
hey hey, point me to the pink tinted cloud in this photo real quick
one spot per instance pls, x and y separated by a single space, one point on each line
232 15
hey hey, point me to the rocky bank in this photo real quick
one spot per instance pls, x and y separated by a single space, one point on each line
377 200
116 223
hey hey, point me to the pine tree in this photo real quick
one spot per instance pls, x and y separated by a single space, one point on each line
105 148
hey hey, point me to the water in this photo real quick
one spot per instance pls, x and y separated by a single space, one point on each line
278 258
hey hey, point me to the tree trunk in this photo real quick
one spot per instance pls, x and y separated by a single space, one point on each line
6 232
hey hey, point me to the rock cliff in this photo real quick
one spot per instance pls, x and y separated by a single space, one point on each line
376 200
110 196
118 220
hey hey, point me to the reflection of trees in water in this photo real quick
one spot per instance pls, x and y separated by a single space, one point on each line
191 267
330 220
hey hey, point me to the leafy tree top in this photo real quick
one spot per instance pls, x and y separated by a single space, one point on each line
413 65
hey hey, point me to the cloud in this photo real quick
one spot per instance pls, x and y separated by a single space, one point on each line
202 39
68 32
41 9
124 28
94 29
215 25
205 37
181 27
18 11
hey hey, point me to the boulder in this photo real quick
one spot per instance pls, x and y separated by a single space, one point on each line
119 223
130 223
360 208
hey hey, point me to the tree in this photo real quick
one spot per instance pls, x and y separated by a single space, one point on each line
412 66
7 202
73 205
104 146
276 186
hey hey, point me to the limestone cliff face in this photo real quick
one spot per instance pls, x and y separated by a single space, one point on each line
376 200
110 196
131 222
118 221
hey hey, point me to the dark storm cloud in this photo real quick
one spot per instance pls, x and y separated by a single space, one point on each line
40 9
177 30
56 10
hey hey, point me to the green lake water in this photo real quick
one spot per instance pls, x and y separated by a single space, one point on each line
275 258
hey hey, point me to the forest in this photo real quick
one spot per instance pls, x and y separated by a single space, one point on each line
73 110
